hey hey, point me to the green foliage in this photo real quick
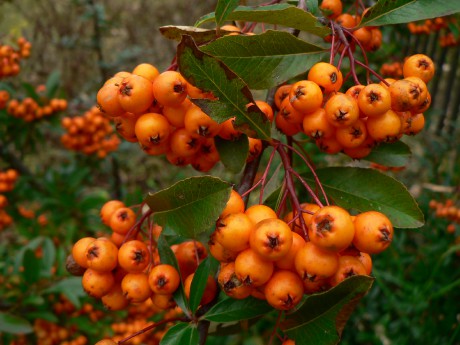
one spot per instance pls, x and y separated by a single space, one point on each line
322 317
233 154
266 60
366 190
391 155
227 309
14 324
181 333
191 206
209 74
279 14
223 9
387 12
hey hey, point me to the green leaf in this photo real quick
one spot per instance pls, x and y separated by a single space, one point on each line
210 74
13 324
321 318
167 257
279 14
31 266
52 84
386 12
208 267
266 60
199 35
191 206
228 309
181 334
367 189
395 154
49 257
30 92
233 154
223 9
313 8
71 287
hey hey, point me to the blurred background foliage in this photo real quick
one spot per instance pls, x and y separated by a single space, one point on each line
417 288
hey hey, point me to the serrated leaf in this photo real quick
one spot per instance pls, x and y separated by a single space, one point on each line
367 189
199 35
396 154
167 257
223 9
386 12
233 153
191 206
181 334
210 74
321 318
279 14
14 324
228 309
52 84
208 267
266 60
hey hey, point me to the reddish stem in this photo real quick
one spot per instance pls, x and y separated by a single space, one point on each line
373 72
278 319
315 176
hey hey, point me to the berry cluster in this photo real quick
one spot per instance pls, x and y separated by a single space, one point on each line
10 57
447 210
369 38
428 26
137 319
393 70
121 270
30 110
4 98
50 333
360 118
154 109
262 256
90 133
7 181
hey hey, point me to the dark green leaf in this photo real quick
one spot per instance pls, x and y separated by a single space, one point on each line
208 267
367 189
32 245
199 35
387 12
190 206
228 309
49 257
14 324
7 87
266 60
31 266
210 74
71 287
52 84
223 9
233 153
44 315
313 8
167 257
392 155
321 318
181 334
279 14
30 92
